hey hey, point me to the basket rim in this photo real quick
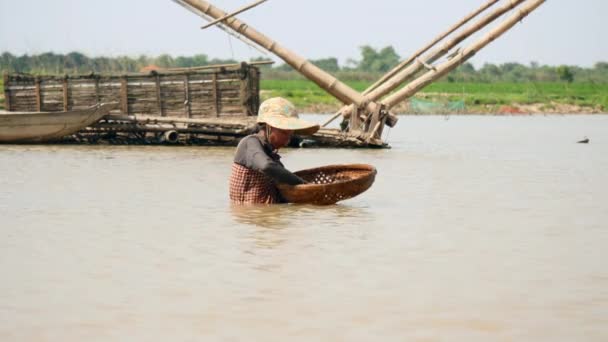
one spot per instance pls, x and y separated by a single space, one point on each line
365 167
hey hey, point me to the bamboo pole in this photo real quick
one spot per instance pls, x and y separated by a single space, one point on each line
419 64
329 83
216 66
176 120
323 79
239 11
465 55
424 49
137 127
219 25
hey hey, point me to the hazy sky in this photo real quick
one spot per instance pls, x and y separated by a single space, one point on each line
559 32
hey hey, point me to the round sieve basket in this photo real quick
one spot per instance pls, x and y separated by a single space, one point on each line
329 184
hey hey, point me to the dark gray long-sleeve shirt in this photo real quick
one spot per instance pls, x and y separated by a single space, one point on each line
256 153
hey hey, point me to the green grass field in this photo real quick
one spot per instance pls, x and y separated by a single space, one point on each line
305 93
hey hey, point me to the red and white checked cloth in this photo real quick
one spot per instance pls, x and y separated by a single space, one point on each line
249 186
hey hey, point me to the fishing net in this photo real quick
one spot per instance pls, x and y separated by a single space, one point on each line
418 106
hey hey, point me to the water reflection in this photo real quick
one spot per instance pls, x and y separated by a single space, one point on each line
289 215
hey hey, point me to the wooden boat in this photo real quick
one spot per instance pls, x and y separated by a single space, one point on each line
38 127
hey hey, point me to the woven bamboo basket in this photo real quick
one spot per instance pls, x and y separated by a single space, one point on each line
329 184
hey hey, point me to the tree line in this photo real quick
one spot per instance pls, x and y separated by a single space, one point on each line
371 64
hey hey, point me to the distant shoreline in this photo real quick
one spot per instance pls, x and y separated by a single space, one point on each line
514 110
461 98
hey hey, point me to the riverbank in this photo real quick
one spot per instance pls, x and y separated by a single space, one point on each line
511 109
470 98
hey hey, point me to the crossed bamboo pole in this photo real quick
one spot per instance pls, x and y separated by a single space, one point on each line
442 69
326 81
399 75
424 49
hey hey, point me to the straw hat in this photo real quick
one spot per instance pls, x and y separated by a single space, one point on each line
279 113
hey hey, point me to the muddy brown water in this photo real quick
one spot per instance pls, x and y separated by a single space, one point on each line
477 229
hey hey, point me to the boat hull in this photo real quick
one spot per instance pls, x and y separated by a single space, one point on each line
47 127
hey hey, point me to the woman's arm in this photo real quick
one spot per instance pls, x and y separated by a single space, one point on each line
251 154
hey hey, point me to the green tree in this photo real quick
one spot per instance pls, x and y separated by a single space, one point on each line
377 61
164 61
490 72
565 74
328 64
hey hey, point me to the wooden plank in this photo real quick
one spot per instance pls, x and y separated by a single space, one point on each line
38 94
97 89
216 100
7 93
124 95
372 128
159 99
65 93
354 119
243 95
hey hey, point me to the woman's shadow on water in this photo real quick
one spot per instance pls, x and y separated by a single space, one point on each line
282 216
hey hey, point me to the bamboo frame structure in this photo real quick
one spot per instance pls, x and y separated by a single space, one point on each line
373 114
329 83
224 90
415 56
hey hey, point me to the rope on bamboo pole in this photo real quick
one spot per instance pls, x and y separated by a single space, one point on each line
201 13
239 11
426 65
